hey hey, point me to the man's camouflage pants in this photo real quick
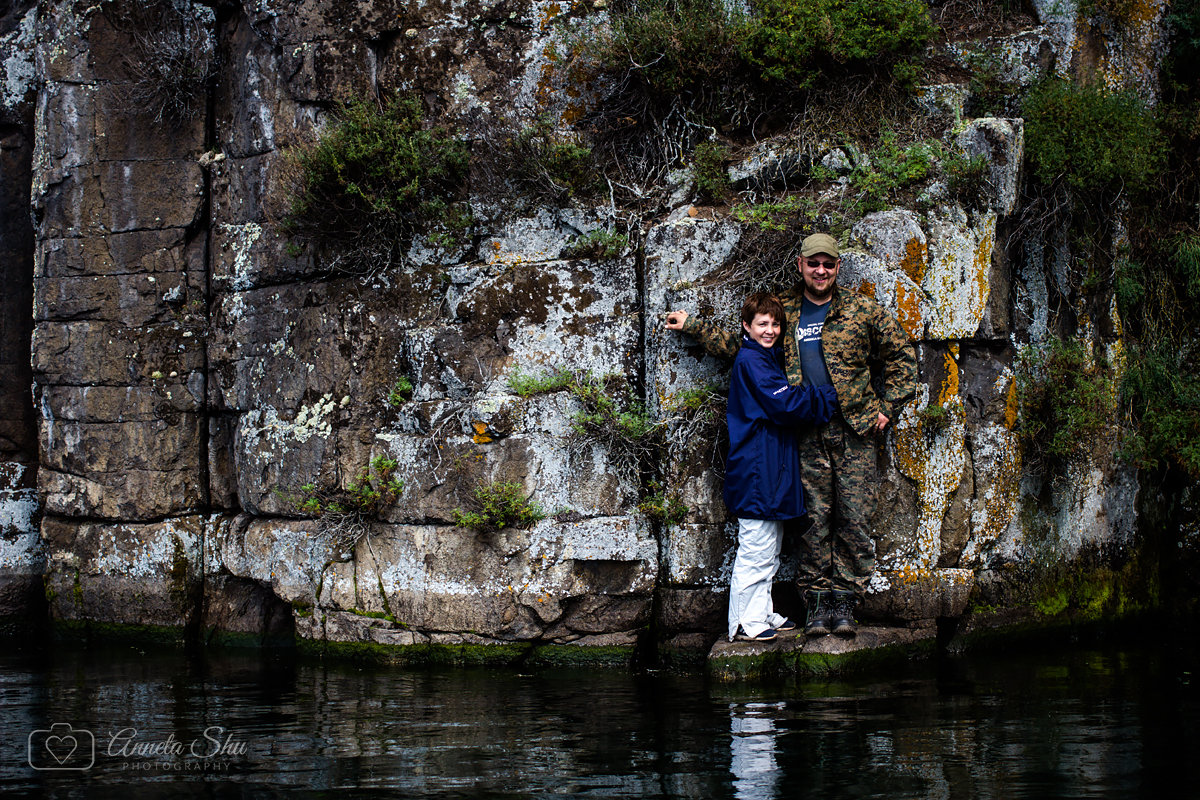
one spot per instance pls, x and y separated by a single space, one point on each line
840 483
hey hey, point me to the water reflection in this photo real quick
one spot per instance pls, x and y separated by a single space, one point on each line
1067 724
752 750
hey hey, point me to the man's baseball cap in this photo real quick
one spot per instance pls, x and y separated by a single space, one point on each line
819 243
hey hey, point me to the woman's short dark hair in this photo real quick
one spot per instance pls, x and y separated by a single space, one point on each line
763 303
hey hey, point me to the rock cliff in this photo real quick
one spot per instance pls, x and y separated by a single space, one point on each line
192 369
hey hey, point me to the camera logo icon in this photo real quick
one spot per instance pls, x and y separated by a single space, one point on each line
62 747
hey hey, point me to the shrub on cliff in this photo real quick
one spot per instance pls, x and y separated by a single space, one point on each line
680 45
1067 402
344 515
1091 138
1162 386
171 59
799 40
374 178
500 505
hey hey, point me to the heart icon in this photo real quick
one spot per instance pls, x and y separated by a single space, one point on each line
61 747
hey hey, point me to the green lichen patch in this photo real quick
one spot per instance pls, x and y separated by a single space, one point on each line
449 655
1092 591
91 631
568 655
874 649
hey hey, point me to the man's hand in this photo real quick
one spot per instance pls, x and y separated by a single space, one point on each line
881 423
675 320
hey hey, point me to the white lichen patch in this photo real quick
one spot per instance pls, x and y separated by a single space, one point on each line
957 280
546 84
145 552
681 258
21 549
287 555
996 456
18 75
242 238
699 555
1097 504
265 424
947 99
436 573
539 238
1032 296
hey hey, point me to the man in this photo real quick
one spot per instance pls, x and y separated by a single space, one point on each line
830 336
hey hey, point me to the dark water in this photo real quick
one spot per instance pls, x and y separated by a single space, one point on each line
1029 723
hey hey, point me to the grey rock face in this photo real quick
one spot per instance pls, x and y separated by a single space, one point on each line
195 375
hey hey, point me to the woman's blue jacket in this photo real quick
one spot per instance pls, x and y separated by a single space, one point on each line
762 474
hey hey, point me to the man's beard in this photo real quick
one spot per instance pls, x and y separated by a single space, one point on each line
810 289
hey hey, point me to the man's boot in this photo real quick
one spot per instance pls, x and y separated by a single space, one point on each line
816 602
841 617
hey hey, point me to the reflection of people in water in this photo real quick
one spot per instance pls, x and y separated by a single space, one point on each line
752 750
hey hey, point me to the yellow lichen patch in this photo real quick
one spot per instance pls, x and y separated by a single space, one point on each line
949 390
573 113
1011 406
908 311
916 259
867 288
481 435
549 14
997 481
913 574
983 266
934 460
1142 12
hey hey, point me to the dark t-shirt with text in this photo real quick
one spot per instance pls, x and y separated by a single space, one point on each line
808 341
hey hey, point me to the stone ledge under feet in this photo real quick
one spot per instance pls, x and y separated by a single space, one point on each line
792 654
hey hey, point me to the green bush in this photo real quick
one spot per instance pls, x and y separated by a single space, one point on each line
934 418
500 505
1093 139
1186 261
672 45
663 506
548 164
1161 383
890 168
374 178
1067 404
597 246
400 393
529 385
373 488
796 40
708 169
774 215
677 46
612 417
967 177
343 516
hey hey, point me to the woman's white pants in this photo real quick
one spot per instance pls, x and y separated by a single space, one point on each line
754 569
